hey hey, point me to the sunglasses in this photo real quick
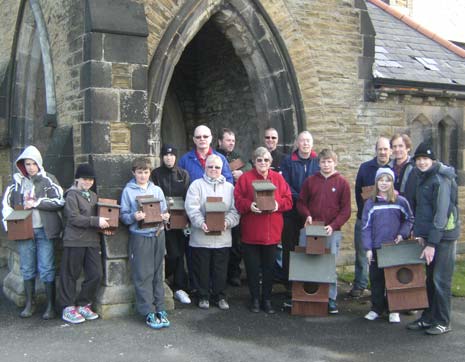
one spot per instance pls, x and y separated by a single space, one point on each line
215 167
271 137
204 136
260 160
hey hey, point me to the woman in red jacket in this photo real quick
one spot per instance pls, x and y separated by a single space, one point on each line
261 230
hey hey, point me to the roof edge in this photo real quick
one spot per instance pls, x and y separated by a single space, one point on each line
420 28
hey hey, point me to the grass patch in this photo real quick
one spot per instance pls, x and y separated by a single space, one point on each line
346 274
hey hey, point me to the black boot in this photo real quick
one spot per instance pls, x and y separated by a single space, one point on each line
29 289
267 307
50 293
255 305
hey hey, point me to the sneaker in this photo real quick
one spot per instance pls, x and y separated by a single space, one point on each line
371 315
438 329
356 293
163 318
394 318
332 307
87 313
287 303
71 315
418 324
223 304
182 296
153 321
204 304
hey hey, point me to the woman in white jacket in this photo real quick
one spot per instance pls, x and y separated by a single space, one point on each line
210 251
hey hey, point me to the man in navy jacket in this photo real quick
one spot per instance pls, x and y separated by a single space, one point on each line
366 177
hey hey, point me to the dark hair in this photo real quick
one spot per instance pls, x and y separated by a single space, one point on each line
141 163
223 131
405 138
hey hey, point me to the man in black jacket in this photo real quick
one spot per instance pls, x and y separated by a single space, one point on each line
174 181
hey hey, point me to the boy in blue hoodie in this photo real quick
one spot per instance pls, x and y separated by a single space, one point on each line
146 246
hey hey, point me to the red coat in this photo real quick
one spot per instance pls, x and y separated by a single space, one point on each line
325 199
265 228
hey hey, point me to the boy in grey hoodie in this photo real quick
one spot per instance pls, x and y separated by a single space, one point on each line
146 246
35 189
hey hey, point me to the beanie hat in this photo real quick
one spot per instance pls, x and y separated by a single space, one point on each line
168 149
384 171
85 171
425 150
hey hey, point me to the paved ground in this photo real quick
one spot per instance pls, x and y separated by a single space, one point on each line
235 335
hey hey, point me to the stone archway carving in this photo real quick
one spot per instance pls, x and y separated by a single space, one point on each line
276 94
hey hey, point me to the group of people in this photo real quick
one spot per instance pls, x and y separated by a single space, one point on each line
407 197
412 197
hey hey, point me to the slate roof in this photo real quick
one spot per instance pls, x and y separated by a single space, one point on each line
403 54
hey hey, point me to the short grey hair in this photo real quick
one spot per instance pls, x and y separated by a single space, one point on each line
212 158
262 152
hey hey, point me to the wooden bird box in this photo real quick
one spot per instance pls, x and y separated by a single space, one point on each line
236 164
404 274
367 192
151 207
264 195
316 239
311 276
215 210
19 224
178 217
109 208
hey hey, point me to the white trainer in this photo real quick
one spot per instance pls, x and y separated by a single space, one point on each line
371 315
394 318
182 296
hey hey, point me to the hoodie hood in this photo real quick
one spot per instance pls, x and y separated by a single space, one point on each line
32 153
447 171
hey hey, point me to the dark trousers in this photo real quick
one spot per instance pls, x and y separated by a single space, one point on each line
210 263
378 286
73 262
235 254
146 260
174 258
289 239
259 258
438 283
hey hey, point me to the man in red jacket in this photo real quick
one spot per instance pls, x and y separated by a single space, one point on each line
325 197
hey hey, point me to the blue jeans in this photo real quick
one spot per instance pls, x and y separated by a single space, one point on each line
361 262
37 255
332 243
438 283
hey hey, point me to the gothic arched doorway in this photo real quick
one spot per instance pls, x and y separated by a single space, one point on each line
228 69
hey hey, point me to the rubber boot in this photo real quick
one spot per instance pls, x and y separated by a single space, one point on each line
50 293
29 289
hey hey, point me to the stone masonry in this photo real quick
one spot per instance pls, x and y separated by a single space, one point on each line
103 55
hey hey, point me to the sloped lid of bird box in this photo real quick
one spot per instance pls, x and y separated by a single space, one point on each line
312 268
176 203
315 230
404 253
263 185
108 203
146 199
17 215
215 207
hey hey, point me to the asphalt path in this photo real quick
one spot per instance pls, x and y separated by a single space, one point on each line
234 335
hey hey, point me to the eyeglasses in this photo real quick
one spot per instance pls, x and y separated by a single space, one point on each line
260 160
204 136
271 137
215 167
